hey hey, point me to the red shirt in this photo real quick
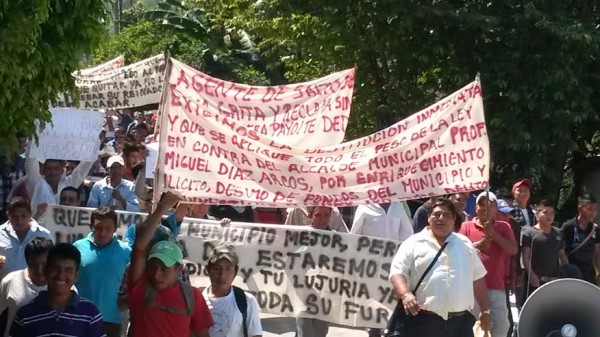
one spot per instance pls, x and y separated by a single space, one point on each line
152 322
495 258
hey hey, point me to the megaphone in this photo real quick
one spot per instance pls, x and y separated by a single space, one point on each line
561 308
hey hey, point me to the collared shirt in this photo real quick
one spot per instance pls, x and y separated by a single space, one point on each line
102 195
13 249
105 263
448 287
16 290
43 194
80 318
373 220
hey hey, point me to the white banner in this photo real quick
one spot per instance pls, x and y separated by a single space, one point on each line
135 85
292 270
311 114
116 63
211 157
72 135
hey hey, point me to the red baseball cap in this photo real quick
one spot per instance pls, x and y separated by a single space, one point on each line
522 182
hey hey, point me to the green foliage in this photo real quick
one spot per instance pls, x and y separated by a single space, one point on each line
42 42
537 62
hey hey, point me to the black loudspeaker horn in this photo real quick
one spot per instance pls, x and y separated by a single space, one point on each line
562 308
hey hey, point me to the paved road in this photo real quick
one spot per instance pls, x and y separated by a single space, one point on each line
275 326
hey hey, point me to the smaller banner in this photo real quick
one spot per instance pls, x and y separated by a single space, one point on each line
135 85
291 270
72 135
116 63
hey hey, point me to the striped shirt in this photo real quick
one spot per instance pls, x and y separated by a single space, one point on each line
81 318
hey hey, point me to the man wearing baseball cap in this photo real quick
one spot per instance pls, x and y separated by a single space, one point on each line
159 304
495 243
114 191
236 311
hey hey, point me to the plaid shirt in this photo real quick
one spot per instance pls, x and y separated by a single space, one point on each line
6 185
517 214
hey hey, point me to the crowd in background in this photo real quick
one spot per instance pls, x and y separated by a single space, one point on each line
493 246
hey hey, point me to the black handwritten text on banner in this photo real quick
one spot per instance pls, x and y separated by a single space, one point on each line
135 85
292 271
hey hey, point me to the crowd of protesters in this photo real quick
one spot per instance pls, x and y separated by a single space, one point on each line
494 245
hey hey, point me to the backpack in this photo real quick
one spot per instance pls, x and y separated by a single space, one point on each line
188 294
242 304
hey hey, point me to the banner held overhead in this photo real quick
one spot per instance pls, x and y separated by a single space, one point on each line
214 158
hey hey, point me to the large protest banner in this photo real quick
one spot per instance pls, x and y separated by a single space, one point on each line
311 114
135 85
116 63
291 270
212 158
72 135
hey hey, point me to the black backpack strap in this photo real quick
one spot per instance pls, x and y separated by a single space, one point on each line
242 304
437 256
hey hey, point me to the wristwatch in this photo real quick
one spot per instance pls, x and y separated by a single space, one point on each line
487 312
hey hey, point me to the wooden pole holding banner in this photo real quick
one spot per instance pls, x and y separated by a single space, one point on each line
159 131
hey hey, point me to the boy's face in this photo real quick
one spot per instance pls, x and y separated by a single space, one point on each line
61 274
103 231
36 268
161 276
222 273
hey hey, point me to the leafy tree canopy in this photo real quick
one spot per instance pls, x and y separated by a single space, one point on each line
42 42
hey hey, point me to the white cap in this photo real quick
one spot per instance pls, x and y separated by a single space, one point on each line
115 159
488 195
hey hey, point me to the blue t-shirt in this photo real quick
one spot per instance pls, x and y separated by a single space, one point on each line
101 273
172 228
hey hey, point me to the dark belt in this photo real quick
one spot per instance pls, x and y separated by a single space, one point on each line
450 314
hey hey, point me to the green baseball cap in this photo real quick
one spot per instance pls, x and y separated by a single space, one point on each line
168 252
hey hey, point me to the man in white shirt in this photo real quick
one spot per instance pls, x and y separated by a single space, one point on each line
114 191
440 306
226 302
16 233
47 190
387 221
20 287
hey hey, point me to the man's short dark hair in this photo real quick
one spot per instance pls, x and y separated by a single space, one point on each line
18 202
64 251
71 189
55 161
104 213
311 209
37 247
131 147
544 203
586 199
